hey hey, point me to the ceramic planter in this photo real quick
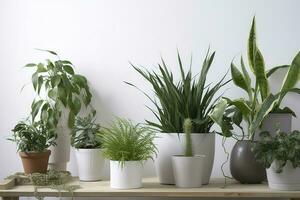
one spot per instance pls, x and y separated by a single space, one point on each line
273 121
60 155
169 144
35 161
188 171
90 164
288 179
127 176
243 166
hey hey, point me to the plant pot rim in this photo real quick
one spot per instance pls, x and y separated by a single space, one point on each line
88 149
127 161
24 154
212 133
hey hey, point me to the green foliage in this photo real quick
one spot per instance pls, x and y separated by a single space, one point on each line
188 98
33 136
85 133
281 148
125 141
61 85
259 102
188 126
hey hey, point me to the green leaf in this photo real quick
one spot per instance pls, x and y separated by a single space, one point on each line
218 112
252 45
241 105
292 76
77 105
41 68
30 65
238 78
274 69
53 94
66 62
34 80
49 51
35 107
40 84
261 78
68 69
62 95
55 80
71 120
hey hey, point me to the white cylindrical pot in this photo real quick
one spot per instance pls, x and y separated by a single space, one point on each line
90 164
288 179
273 121
188 171
60 154
127 176
169 144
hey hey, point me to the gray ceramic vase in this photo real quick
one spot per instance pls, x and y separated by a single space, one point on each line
243 166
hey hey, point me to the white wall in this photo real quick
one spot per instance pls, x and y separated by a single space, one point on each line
100 37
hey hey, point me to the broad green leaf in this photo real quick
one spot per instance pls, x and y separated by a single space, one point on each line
217 114
40 84
241 105
35 107
274 69
62 95
41 68
34 80
261 78
238 78
292 76
77 105
66 62
55 80
71 120
68 69
30 65
53 94
252 45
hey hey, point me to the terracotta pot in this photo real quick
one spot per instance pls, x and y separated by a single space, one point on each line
35 161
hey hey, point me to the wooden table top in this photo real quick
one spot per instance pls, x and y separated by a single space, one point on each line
151 188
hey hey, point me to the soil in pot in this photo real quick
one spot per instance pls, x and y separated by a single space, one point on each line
243 166
35 161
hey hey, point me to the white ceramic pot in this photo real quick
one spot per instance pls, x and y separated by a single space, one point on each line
188 171
273 121
60 154
288 179
169 144
90 164
128 176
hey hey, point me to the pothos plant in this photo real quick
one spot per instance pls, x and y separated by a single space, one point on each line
259 101
281 148
57 86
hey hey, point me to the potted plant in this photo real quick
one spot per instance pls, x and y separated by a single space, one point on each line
280 154
175 101
127 145
252 110
188 168
33 140
86 140
60 89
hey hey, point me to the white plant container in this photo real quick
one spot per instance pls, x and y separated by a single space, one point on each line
169 144
127 176
90 164
60 154
188 171
288 179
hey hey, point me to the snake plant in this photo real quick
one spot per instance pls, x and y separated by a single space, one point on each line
259 101
189 97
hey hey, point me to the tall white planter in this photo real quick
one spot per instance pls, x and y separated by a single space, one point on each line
288 179
169 144
273 121
60 154
90 164
188 171
128 176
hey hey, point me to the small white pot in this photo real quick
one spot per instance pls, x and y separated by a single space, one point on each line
169 144
288 179
188 171
90 164
128 176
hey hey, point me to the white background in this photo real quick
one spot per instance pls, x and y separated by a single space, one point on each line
100 37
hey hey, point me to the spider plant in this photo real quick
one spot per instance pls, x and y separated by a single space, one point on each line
190 97
85 134
126 141
259 101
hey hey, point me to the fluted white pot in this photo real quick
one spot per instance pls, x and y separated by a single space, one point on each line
60 154
188 171
169 144
90 164
127 176
288 179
